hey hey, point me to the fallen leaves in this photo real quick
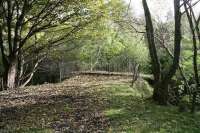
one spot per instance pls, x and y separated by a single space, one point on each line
71 106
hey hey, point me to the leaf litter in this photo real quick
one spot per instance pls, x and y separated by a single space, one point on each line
71 106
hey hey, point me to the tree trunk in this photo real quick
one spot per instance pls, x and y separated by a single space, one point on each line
60 66
162 82
194 30
156 68
11 75
20 68
135 72
161 93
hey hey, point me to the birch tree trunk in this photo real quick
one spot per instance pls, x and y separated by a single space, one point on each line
11 75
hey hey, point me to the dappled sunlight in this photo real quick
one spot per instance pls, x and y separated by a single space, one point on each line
129 113
104 107
98 66
112 112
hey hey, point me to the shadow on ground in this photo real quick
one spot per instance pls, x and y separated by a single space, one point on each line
88 105
129 110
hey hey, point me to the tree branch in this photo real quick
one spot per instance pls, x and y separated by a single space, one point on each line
151 43
177 42
30 75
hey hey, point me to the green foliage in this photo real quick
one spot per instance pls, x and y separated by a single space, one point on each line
102 41
110 45
73 17
187 58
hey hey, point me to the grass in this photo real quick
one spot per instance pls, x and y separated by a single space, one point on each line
129 112
127 109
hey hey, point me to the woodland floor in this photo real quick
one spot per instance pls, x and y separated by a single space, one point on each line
86 103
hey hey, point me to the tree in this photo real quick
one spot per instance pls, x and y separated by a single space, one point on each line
194 27
113 48
162 81
24 21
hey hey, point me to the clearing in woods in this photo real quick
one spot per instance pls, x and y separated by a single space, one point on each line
90 103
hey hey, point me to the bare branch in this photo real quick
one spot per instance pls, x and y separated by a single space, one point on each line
30 75
187 1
